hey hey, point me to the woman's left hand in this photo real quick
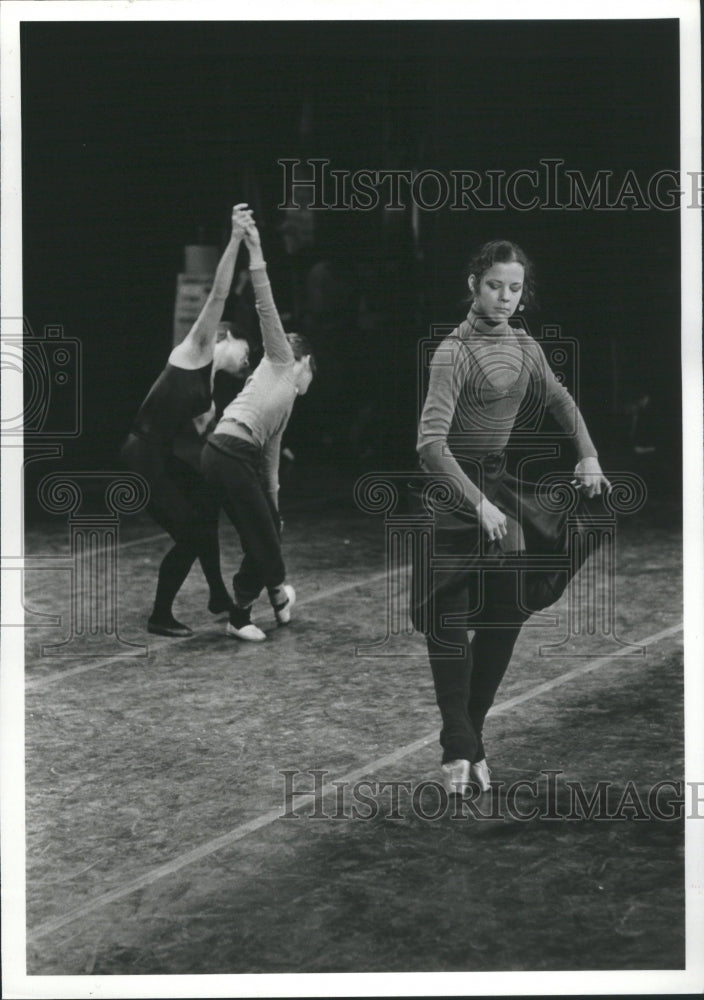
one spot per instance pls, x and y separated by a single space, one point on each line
589 475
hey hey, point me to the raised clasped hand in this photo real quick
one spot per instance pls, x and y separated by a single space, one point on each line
241 220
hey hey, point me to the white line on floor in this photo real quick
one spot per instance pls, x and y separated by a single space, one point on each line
218 843
143 541
158 644
163 535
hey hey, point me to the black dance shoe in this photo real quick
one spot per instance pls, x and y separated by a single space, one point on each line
169 627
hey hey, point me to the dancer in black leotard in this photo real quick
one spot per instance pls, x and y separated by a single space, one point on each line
481 375
180 502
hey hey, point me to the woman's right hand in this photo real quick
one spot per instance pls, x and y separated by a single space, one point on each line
492 520
241 219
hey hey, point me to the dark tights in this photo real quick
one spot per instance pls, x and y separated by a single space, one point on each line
181 503
176 565
467 674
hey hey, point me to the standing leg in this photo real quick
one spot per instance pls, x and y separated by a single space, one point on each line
174 568
492 648
172 509
180 503
209 558
199 526
450 657
491 651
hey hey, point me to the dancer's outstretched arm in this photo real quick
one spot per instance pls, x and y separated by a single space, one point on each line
276 346
196 349
565 410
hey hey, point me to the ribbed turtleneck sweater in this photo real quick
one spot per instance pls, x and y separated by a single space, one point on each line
483 377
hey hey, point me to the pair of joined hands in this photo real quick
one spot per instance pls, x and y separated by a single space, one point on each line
244 226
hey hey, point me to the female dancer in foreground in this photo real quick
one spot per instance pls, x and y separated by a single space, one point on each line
480 377
240 462
180 501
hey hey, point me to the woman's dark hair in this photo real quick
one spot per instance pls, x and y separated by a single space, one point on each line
503 252
301 348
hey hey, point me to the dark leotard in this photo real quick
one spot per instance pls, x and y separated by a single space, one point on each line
178 395
178 494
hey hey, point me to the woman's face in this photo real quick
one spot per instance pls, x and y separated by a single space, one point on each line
498 293
231 354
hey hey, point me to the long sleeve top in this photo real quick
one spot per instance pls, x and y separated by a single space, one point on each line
481 379
265 403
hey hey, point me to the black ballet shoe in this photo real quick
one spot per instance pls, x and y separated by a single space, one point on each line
219 605
169 627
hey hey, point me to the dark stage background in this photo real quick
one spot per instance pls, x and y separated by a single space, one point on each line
137 139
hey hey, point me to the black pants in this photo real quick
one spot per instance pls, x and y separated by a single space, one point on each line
467 674
485 589
182 504
235 477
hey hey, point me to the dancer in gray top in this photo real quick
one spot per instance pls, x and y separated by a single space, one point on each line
241 459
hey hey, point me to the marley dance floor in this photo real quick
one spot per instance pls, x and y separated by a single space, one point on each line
160 839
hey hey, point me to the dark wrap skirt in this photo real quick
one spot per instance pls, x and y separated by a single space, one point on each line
551 532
